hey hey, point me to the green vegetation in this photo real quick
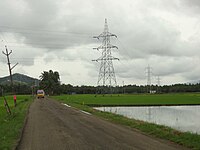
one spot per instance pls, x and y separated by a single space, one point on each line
137 99
11 125
50 82
24 84
19 78
187 139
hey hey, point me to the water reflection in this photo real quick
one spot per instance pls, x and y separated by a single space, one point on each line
184 118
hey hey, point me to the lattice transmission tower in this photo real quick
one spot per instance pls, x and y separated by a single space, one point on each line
149 74
106 71
158 84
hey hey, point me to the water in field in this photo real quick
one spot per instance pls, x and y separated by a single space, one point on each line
183 118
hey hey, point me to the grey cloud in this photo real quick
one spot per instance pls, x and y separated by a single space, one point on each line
190 7
147 35
63 30
35 25
193 75
192 3
134 69
165 67
150 36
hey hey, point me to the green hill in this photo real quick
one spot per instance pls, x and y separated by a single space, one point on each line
19 78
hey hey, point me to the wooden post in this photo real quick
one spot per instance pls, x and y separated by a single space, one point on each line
7 106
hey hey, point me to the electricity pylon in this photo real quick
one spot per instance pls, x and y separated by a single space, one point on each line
106 71
149 73
158 84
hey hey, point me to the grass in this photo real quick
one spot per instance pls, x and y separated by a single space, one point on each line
183 138
130 100
11 125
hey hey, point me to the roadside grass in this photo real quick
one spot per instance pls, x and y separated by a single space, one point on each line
11 125
133 99
186 139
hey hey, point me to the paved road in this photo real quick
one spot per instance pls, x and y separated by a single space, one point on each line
53 126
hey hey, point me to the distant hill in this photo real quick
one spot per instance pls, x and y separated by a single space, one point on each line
19 78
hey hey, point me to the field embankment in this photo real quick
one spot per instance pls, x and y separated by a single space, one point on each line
11 125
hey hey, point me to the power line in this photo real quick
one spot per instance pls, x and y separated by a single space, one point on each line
3 38
42 34
35 59
38 31
31 59
38 43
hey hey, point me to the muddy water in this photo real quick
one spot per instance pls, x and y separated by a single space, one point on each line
183 118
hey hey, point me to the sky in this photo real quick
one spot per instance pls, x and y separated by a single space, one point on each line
58 35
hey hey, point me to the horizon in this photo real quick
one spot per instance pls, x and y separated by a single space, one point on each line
193 83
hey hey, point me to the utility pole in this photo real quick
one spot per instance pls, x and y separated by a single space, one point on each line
106 71
149 73
9 66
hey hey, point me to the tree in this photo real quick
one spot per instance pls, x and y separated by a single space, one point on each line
50 82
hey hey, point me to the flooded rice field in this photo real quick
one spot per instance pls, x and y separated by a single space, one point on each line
183 118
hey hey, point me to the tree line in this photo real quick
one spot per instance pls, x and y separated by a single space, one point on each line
50 83
129 89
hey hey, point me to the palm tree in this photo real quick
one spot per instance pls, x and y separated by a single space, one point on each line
50 81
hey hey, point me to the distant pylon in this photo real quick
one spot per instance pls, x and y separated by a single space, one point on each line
149 73
158 84
106 71
158 80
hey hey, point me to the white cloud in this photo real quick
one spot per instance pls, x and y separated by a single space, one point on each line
58 34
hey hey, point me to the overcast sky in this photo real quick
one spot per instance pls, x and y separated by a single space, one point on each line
57 35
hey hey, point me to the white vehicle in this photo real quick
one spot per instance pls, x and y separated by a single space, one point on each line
40 94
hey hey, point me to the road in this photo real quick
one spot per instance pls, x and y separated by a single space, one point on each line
54 126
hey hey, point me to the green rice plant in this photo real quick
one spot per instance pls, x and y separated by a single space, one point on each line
132 99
